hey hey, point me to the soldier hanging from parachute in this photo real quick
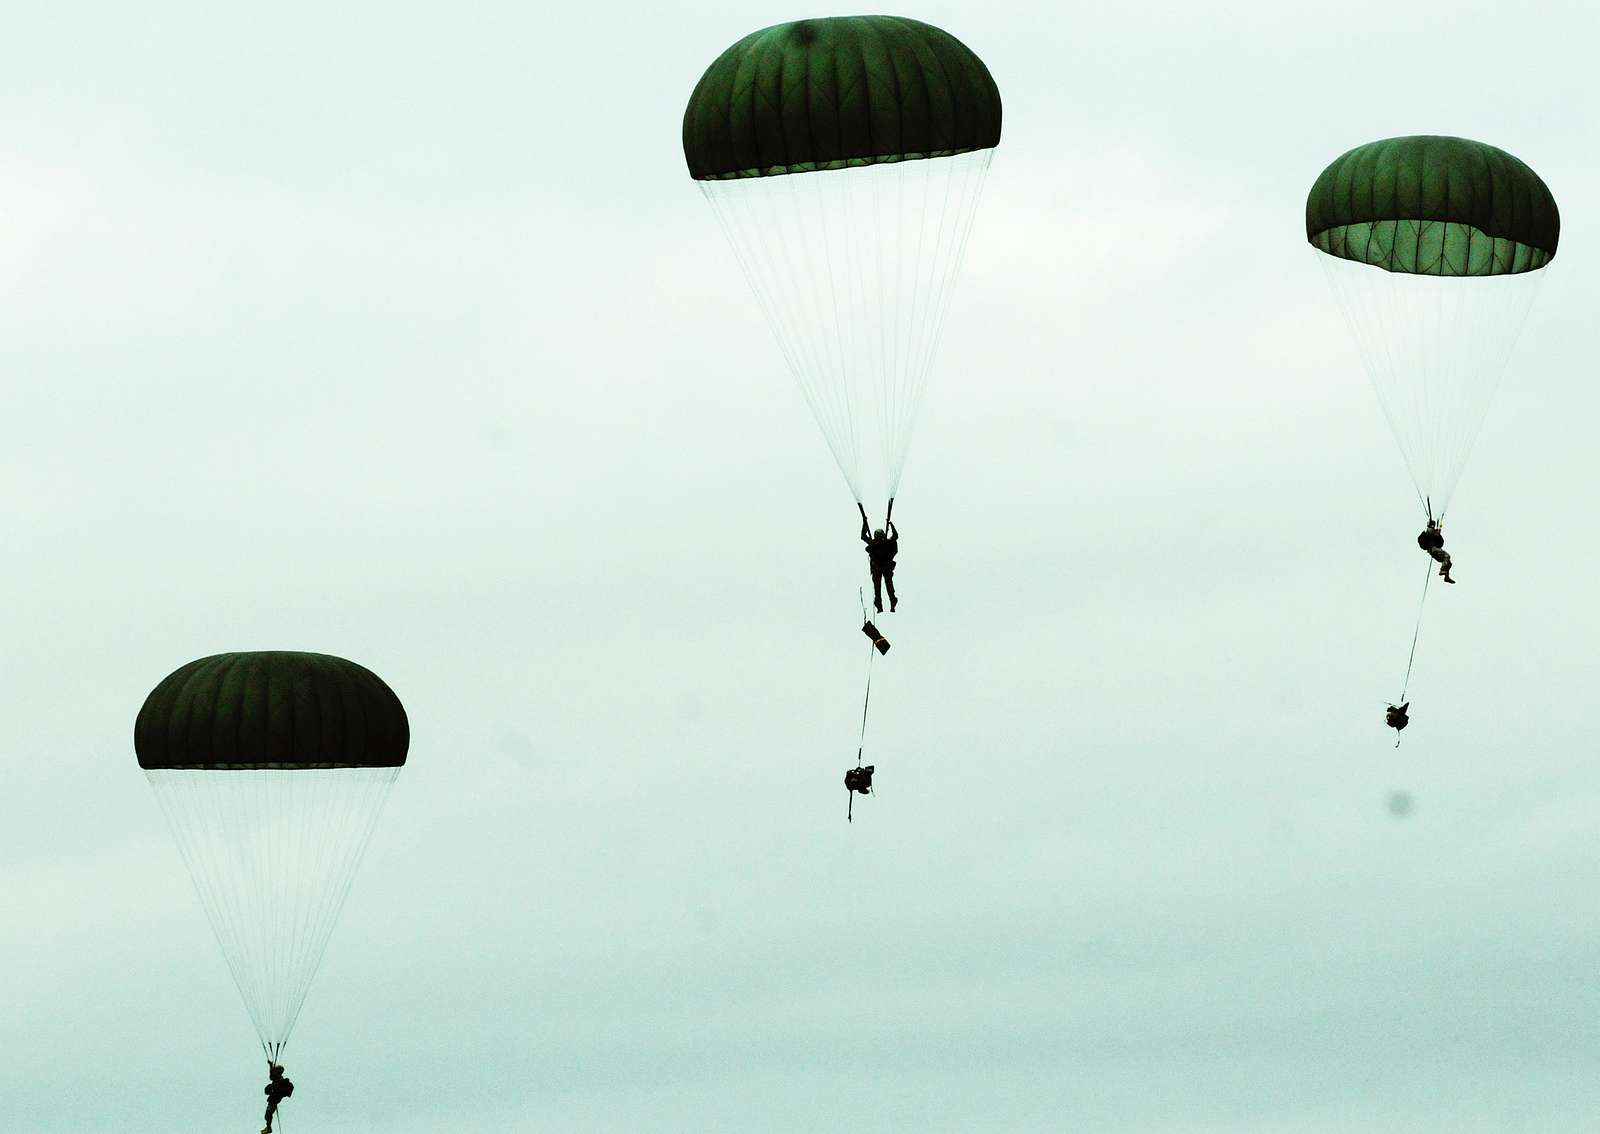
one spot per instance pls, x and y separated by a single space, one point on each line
272 768
1433 247
1431 540
881 550
277 1089
847 200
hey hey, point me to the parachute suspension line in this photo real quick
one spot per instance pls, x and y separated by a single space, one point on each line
779 294
955 226
1362 312
1435 350
272 854
824 367
898 391
885 363
846 353
906 340
949 251
889 336
723 208
1416 631
1496 338
829 374
852 270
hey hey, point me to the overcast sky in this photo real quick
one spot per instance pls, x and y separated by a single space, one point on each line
400 332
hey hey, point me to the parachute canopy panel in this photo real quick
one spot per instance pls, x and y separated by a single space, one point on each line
1436 206
271 710
838 92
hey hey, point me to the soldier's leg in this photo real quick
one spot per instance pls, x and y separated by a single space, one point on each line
888 581
877 590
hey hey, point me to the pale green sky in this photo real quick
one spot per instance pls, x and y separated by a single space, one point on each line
401 333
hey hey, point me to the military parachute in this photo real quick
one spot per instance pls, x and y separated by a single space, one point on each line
272 769
1434 248
843 158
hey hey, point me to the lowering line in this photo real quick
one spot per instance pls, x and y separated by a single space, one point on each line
1426 579
861 745
1416 632
866 703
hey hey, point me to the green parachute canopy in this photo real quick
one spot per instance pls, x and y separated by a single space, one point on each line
271 709
272 769
838 92
892 125
1436 206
